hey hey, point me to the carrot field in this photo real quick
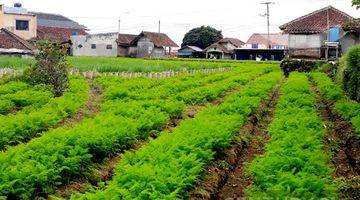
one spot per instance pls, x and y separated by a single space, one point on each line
245 133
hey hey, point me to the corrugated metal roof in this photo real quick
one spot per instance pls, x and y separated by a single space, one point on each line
55 20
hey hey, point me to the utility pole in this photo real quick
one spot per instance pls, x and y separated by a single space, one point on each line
121 14
159 26
267 15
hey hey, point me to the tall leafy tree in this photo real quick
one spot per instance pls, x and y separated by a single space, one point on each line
202 37
356 3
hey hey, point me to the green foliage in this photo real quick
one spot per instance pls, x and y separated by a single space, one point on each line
130 113
12 87
356 3
29 122
36 97
349 110
168 167
102 64
351 76
202 37
50 67
294 165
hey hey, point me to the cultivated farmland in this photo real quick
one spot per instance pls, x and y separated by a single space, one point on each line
244 132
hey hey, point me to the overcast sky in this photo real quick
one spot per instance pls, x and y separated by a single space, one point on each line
236 18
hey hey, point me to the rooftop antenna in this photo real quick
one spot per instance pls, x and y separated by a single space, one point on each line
267 15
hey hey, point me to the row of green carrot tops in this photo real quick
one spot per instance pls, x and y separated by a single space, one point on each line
128 114
295 164
349 110
30 122
169 166
34 97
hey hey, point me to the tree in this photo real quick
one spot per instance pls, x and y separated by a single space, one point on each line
50 67
202 37
356 3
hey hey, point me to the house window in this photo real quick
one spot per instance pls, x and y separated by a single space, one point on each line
22 25
254 46
109 46
74 33
93 46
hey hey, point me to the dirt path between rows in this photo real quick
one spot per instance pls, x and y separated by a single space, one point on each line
90 109
226 179
344 146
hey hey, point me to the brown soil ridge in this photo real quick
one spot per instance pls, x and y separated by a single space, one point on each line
90 109
226 179
340 141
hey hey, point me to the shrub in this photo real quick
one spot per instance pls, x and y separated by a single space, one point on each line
50 67
351 74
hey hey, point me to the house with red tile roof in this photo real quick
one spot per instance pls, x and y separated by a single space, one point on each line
12 44
261 41
223 49
322 34
56 28
144 45
153 45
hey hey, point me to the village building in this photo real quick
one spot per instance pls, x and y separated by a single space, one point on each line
191 52
153 45
264 47
223 49
95 45
263 41
56 28
12 44
321 34
124 45
19 21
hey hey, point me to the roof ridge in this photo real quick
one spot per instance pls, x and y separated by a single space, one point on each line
313 13
19 39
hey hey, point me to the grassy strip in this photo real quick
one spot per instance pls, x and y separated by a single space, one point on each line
294 165
169 166
349 110
64 154
134 65
29 122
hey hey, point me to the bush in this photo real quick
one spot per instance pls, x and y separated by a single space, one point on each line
351 74
50 67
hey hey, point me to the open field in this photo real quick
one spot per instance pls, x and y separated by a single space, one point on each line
246 132
131 64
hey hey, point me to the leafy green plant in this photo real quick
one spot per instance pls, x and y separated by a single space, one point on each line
349 110
294 165
27 123
168 167
129 114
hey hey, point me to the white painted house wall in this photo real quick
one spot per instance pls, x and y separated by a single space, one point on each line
298 41
82 45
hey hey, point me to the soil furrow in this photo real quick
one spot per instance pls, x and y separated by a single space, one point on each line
226 178
340 141
90 109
